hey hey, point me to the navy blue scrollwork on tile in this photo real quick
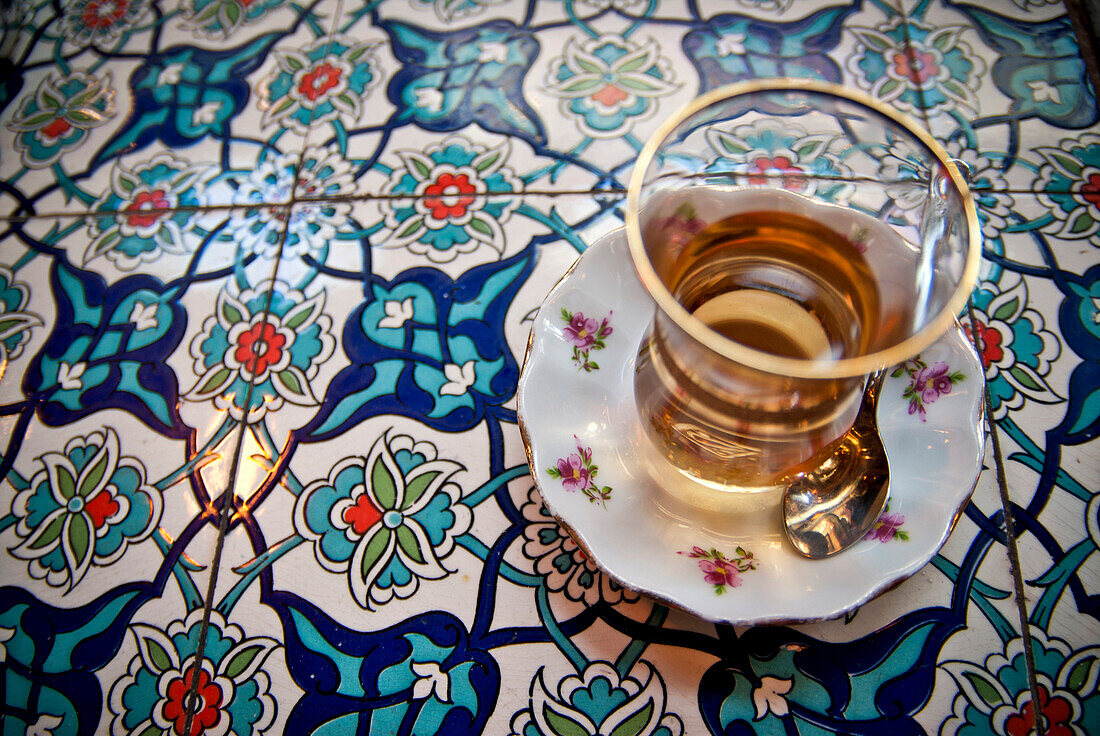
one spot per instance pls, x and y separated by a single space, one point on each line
474 75
1040 68
733 48
427 347
184 93
419 676
779 681
108 350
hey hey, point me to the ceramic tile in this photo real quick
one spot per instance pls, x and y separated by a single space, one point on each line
1056 522
211 100
107 523
687 55
336 357
111 359
1010 84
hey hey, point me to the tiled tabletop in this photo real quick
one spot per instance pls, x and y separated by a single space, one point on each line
267 273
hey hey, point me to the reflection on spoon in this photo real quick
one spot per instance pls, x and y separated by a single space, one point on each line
835 497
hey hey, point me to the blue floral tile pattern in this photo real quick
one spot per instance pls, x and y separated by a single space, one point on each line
267 270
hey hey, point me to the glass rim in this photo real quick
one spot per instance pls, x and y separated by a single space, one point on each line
770 363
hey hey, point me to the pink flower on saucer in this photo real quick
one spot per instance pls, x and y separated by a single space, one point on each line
574 474
587 334
932 382
926 383
577 472
888 528
720 571
582 330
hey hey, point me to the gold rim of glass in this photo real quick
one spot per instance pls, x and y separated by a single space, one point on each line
767 362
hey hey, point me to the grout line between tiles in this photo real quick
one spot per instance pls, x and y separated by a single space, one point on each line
910 56
1010 544
229 500
353 198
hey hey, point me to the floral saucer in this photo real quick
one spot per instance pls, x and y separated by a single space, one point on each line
593 466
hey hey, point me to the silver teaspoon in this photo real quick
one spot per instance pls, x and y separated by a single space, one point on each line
838 495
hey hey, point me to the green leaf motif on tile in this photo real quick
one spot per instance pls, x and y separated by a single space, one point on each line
243 659
984 690
383 485
157 655
563 725
633 726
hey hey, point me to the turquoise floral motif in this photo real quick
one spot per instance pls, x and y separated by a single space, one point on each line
622 5
84 507
15 321
995 699
58 116
386 521
232 688
1038 66
1069 184
566 567
600 700
413 351
327 80
917 67
220 18
263 193
99 23
472 75
585 334
906 172
577 472
719 570
926 383
272 337
608 84
736 47
452 10
138 223
804 163
1015 348
450 210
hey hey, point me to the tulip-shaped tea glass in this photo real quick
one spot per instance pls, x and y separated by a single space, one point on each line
795 237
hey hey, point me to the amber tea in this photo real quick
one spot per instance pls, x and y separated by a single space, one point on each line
794 237
778 282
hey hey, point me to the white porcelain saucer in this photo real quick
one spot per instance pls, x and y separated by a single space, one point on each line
576 413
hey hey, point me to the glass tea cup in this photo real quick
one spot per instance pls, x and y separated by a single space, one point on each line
795 237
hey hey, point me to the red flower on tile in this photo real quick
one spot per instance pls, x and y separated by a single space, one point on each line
609 95
1057 712
101 507
1091 190
57 128
100 14
362 515
989 340
449 195
792 181
138 211
319 80
260 347
916 66
208 698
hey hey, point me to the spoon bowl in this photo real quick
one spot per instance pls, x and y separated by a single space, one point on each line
833 499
